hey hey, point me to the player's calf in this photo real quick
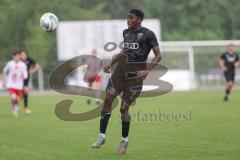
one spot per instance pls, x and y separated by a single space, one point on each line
227 92
125 119
14 103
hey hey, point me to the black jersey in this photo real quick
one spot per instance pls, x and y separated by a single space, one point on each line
230 60
138 44
29 63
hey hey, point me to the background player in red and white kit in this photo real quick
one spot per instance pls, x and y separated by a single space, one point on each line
92 76
13 75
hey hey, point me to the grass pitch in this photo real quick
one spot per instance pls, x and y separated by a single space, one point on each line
200 126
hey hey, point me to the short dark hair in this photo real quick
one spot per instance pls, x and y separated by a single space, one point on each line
137 12
24 50
231 45
15 53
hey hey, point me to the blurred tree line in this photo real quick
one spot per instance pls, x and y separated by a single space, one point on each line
181 20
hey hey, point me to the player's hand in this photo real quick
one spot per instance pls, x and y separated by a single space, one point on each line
31 72
224 69
237 64
107 68
26 90
142 74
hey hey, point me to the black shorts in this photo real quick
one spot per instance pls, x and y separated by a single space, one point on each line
126 81
26 82
229 76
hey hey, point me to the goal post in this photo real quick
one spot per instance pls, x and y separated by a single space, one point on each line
182 76
196 63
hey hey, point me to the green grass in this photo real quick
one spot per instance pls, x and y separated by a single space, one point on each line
213 133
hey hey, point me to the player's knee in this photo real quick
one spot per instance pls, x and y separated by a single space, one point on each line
107 105
230 83
124 110
26 91
18 99
25 95
109 98
14 97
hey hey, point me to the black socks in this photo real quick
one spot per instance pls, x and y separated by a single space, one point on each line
104 122
25 98
125 126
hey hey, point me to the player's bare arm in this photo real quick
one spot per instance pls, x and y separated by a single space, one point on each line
4 79
222 66
34 69
114 61
152 64
237 64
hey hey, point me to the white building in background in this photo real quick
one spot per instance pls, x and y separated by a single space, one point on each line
76 38
80 37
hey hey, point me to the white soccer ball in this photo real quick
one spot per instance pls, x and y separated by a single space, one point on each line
49 22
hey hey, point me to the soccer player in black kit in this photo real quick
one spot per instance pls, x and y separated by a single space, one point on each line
228 62
32 67
129 74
